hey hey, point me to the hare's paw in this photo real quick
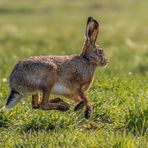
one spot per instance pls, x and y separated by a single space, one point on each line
79 106
88 112
35 101
63 106
36 106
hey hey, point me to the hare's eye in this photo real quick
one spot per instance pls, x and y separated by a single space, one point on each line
100 51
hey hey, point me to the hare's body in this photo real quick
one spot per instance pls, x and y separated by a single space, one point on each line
68 76
65 74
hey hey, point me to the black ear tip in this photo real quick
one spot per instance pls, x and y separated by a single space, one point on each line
89 19
92 19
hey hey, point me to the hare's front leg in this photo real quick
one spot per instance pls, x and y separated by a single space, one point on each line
83 103
35 101
48 104
79 106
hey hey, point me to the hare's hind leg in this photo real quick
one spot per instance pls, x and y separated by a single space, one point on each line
13 99
56 100
35 101
46 104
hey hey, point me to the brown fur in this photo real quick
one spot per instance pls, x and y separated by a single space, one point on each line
70 76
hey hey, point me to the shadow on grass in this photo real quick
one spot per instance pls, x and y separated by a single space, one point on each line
46 123
34 125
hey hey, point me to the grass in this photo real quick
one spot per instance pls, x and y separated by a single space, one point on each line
119 93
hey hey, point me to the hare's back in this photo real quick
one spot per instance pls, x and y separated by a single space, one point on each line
32 73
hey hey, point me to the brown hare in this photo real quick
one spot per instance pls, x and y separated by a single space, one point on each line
69 76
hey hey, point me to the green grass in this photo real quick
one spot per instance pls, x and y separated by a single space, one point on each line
119 93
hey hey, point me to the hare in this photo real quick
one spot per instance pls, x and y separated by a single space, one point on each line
69 76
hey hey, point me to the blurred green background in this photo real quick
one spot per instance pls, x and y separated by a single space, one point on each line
119 94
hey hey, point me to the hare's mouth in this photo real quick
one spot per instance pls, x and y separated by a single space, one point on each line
104 62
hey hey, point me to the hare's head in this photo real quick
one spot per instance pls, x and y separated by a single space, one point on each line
92 52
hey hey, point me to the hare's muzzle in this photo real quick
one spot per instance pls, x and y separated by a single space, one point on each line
104 62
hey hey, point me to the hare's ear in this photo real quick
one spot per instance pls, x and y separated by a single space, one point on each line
92 29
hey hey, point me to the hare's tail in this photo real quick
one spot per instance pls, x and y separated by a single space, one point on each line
12 100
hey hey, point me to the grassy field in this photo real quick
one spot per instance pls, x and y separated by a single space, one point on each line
119 93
